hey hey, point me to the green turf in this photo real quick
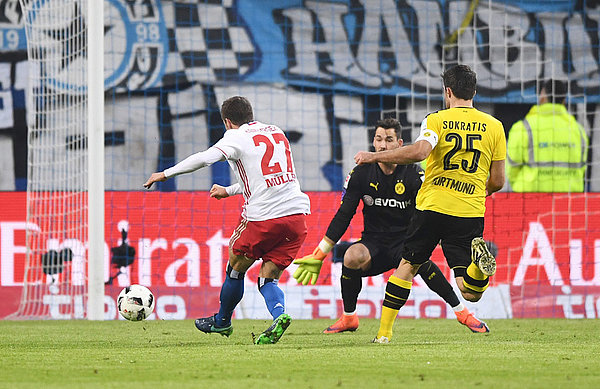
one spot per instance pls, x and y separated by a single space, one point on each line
426 353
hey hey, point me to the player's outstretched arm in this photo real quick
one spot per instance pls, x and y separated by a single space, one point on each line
403 155
310 265
155 177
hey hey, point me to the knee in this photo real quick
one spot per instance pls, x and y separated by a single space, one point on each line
471 296
353 262
355 258
407 267
239 263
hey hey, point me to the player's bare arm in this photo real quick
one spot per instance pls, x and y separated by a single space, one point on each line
496 179
218 192
402 156
155 177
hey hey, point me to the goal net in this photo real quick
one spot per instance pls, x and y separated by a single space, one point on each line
55 281
325 72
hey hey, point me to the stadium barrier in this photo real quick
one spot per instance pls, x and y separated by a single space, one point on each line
548 258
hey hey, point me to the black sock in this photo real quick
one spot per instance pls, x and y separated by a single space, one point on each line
435 280
351 281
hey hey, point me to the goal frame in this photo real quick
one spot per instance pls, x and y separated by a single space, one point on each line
95 131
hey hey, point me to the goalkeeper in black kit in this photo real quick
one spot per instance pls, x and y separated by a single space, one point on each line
388 192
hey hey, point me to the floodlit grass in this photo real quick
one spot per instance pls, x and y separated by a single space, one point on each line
424 353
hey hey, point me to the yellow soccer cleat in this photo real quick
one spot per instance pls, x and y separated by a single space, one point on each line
481 256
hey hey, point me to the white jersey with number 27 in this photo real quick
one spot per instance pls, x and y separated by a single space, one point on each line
261 159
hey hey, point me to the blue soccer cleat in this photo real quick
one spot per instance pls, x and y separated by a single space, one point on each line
208 325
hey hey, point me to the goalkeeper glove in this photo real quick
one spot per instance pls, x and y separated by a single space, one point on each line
310 265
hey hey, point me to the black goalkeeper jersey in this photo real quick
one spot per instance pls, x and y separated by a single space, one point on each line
388 201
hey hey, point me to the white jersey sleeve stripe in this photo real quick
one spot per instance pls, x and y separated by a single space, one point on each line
244 178
222 152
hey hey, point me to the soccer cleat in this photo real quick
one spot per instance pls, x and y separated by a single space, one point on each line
275 331
381 339
468 319
208 325
345 323
481 256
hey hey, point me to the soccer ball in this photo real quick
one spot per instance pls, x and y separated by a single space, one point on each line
135 302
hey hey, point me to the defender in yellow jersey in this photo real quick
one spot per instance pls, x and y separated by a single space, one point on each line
468 141
465 150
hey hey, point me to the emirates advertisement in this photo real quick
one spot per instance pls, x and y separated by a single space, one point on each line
548 255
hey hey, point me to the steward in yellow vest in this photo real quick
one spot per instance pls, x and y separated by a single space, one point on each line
547 150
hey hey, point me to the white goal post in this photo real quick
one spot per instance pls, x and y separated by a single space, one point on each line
95 130
64 268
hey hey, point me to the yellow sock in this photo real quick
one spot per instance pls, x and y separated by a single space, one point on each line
475 280
386 323
397 291
474 271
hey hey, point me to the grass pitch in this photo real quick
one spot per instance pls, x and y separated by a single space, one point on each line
439 354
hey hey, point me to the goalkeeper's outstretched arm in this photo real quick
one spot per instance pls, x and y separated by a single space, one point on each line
310 265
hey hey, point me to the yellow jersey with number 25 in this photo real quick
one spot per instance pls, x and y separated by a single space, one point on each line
465 141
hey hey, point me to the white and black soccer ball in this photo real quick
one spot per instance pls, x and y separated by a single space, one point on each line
135 302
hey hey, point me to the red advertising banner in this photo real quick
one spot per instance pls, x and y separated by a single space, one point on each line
548 254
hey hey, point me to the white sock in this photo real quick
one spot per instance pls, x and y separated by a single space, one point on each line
349 313
458 308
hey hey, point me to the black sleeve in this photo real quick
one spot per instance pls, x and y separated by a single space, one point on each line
419 175
350 199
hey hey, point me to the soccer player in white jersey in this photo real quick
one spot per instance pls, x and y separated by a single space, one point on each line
272 225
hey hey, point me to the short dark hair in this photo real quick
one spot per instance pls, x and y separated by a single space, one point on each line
237 109
461 80
388 123
556 90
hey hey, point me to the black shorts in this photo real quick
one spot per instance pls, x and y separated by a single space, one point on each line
385 254
428 228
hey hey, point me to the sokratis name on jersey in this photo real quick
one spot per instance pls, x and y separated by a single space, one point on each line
280 179
382 202
459 125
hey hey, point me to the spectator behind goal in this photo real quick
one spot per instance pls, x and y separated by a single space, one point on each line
547 150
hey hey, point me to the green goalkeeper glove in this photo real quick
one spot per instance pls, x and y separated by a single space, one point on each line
309 268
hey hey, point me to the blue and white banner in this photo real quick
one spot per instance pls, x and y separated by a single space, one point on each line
374 47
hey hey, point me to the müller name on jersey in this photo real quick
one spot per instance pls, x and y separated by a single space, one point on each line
280 179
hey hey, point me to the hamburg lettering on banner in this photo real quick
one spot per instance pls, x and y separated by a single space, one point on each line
329 45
